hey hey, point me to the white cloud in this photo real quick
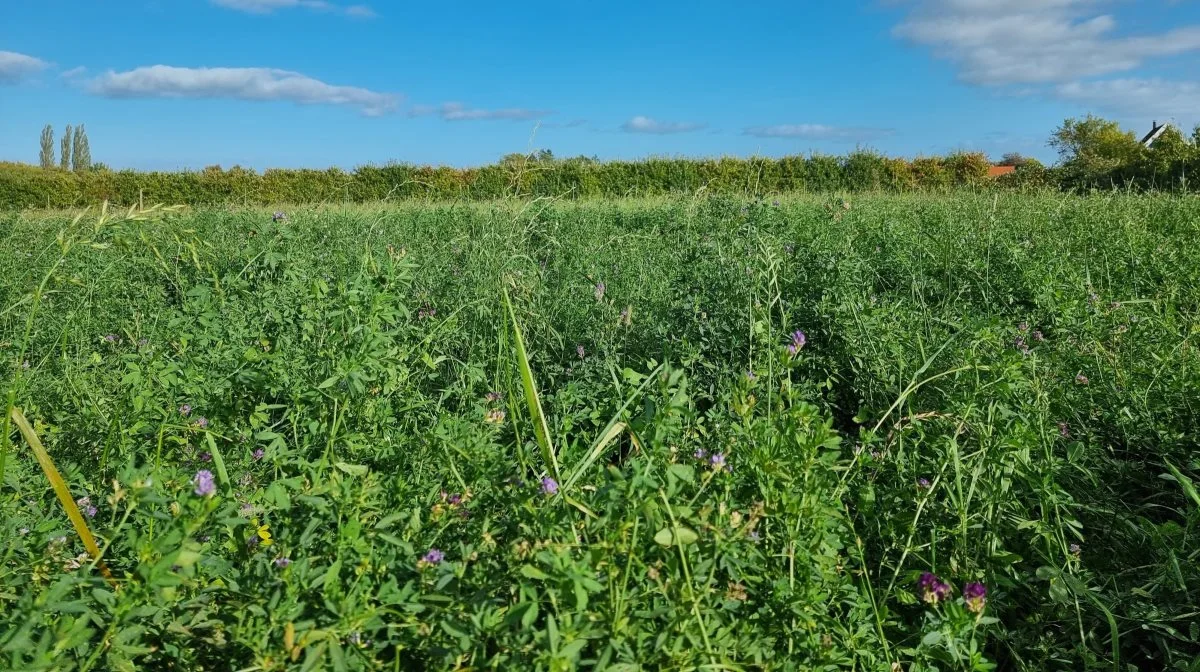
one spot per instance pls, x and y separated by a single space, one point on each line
73 72
1001 42
269 6
818 132
14 66
640 124
459 112
164 81
1142 98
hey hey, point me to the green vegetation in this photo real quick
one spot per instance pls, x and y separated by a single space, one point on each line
557 435
1095 154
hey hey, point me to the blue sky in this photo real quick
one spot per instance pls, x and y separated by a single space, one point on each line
164 84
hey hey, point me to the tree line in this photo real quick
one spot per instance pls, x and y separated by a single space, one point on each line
1094 154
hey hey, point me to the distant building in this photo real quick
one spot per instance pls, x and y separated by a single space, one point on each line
1156 131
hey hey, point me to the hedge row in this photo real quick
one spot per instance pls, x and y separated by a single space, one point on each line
25 186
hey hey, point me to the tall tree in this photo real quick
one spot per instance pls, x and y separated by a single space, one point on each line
64 160
1095 151
81 153
46 158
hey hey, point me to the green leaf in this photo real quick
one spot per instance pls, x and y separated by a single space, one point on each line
328 382
541 429
352 469
218 462
678 535
932 638
533 573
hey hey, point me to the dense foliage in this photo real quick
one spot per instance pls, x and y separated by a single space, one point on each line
303 441
24 186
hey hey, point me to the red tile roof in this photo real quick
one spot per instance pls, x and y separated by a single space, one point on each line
997 171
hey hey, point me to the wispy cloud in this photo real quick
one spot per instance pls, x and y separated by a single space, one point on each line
460 112
73 72
1144 98
15 67
1034 41
819 132
269 6
640 124
260 84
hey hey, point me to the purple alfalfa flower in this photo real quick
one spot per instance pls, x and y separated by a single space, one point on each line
700 454
205 485
85 505
1075 550
798 339
202 422
754 535
433 556
975 596
246 509
932 588
278 217
750 377
1020 345
111 338
549 486
454 499
1064 430
580 351
206 456
1038 336
1081 379
923 483
282 562
185 409
775 202
493 397
599 291
252 542
258 454
717 461
625 320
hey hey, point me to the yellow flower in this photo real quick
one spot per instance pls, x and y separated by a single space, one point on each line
263 532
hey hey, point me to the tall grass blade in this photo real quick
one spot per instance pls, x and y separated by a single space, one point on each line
541 429
1189 488
610 433
60 489
218 462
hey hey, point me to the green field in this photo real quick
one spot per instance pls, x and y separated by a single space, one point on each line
995 389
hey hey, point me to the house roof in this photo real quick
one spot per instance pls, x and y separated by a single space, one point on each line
1156 131
997 171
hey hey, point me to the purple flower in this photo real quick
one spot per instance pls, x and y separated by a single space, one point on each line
282 562
85 505
579 351
750 376
700 454
798 341
433 557
202 422
1038 336
1076 550
258 454
454 499
206 456
1093 297
1019 344
599 291
1081 379
923 483
975 596
253 541
549 485
25 365
278 217
625 316
775 202
111 338
142 342
205 486
717 461
493 397
185 409
1064 430
246 509
932 588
